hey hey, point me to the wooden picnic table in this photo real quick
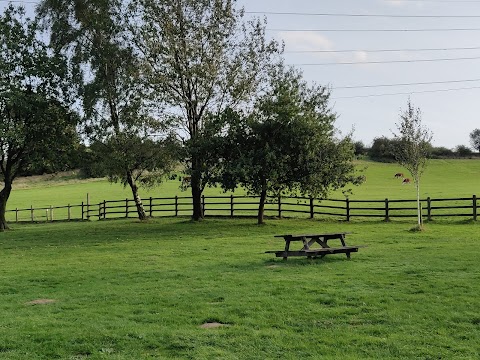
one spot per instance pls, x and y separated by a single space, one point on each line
315 245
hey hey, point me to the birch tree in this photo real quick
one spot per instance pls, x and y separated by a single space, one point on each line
412 147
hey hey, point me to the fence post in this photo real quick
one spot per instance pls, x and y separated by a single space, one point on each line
387 211
429 209
51 213
176 205
280 206
312 213
104 209
150 204
69 214
203 205
16 215
126 207
475 207
347 203
88 207
82 210
31 212
99 211
231 205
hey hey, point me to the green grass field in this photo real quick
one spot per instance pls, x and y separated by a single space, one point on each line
443 178
129 290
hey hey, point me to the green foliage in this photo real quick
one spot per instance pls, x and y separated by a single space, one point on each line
383 149
463 151
475 139
36 128
287 144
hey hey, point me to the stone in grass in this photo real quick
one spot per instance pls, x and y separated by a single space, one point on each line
41 302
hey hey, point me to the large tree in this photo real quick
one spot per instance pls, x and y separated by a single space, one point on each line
35 126
200 57
412 147
116 104
287 144
475 139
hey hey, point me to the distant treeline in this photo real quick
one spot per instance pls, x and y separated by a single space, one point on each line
382 149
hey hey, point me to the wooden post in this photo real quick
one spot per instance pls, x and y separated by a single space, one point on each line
126 207
69 216
51 213
88 207
104 209
387 211
82 210
475 207
312 212
231 205
279 206
31 212
203 205
46 215
16 215
429 209
151 209
347 204
176 205
100 211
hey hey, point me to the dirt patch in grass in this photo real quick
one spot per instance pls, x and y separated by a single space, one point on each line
212 325
41 302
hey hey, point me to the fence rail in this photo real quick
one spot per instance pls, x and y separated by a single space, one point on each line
234 206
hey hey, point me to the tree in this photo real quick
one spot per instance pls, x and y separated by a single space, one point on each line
287 145
475 139
412 147
109 79
463 151
200 58
35 126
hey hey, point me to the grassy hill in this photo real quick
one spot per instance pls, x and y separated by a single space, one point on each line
443 178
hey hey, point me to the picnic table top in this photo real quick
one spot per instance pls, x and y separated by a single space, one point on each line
311 235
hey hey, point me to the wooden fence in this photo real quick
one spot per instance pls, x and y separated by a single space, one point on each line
234 206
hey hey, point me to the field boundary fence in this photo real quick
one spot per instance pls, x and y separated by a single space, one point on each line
238 206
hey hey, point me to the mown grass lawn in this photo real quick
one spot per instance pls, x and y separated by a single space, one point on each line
130 290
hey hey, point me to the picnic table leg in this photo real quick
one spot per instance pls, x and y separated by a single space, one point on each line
287 247
342 239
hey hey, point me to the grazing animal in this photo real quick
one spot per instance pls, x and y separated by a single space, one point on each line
406 181
398 175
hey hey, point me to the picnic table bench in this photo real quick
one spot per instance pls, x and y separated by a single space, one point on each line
315 245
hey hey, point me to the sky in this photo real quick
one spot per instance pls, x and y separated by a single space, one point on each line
450 115
309 30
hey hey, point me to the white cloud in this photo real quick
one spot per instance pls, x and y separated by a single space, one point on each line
305 41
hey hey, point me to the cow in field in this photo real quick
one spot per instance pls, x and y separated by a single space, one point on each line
406 181
398 175
186 181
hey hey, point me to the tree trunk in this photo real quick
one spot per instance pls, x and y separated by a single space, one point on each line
261 206
138 201
196 198
4 195
419 209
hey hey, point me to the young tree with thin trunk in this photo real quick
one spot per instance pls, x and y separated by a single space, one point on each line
200 57
35 125
116 103
412 147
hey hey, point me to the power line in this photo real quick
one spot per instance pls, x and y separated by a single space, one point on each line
404 84
406 93
360 15
388 61
381 50
373 30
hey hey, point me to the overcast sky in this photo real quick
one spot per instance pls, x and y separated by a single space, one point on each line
451 115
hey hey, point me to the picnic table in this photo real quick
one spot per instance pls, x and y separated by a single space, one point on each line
314 245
